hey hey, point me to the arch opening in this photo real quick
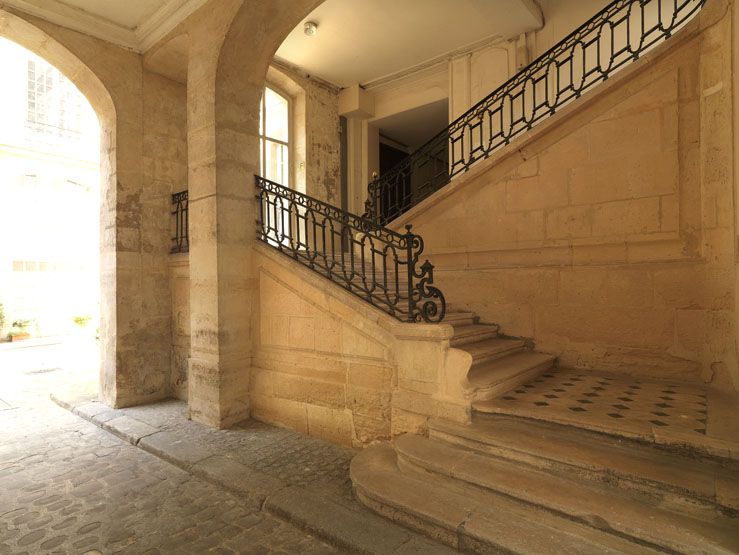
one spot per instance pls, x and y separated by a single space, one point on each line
57 160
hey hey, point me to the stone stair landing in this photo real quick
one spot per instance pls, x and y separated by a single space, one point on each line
590 481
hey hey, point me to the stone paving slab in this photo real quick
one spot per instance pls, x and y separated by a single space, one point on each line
70 487
296 477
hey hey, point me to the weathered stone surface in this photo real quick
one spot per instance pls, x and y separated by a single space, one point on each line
295 476
174 448
368 532
128 428
71 487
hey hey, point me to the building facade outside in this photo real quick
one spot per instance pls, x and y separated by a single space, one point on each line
49 198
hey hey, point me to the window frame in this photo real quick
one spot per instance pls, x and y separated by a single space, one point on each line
263 138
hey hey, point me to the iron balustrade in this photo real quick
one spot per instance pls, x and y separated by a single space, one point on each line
377 264
617 35
180 217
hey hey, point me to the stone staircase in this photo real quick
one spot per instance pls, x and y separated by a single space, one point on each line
498 363
521 481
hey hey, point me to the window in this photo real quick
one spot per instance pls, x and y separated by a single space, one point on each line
54 105
274 137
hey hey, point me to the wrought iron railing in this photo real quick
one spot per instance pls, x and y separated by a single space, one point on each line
180 234
377 264
617 35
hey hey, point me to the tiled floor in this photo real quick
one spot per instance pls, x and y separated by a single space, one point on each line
601 401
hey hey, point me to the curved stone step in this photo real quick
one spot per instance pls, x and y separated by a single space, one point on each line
640 519
471 520
491 349
496 376
591 456
460 318
464 335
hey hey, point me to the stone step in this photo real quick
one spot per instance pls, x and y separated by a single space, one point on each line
471 520
466 334
460 318
494 377
676 477
640 519
491 349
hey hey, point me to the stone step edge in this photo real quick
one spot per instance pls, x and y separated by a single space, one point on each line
678 442
466 521
512 380
493 349
674 531
543 460
473 334
342 527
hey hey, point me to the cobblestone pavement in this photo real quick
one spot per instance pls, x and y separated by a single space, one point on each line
67 486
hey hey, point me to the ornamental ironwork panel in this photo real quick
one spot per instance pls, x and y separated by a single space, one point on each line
374 263
613 38
180 234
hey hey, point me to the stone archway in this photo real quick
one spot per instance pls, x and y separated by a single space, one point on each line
223 157
37 41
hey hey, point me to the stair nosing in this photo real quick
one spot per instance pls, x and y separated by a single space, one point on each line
582 515
615 447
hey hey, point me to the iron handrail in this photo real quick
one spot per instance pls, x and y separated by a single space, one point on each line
374 263
615 36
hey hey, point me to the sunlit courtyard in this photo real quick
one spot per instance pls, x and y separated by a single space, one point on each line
49 221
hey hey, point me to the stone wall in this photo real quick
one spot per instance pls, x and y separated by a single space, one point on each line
179 283
315 132
323 162
606 234
328 364
135 324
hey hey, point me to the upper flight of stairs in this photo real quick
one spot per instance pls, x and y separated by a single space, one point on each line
498 363
515 485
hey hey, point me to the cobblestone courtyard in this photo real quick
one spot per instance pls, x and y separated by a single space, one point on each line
67 486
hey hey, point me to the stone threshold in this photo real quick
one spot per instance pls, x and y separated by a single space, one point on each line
261 464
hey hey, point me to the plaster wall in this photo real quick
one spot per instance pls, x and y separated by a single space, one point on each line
607 233
561 17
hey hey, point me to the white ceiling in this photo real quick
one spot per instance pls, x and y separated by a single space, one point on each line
362 40
135 24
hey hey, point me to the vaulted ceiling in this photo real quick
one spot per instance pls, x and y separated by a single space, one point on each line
135 24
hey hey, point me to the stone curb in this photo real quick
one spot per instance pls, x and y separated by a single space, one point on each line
356 531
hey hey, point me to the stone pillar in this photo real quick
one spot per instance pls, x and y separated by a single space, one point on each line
230 51
221 233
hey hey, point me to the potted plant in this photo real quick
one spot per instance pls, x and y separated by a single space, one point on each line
19 330
82 321
2 318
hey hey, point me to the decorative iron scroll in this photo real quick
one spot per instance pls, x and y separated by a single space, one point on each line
377 264
180 235
616 36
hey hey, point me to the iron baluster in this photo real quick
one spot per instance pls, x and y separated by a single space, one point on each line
367 252
411 267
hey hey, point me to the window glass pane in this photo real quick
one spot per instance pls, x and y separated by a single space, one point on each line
276 108
261 158
276 163
261 115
